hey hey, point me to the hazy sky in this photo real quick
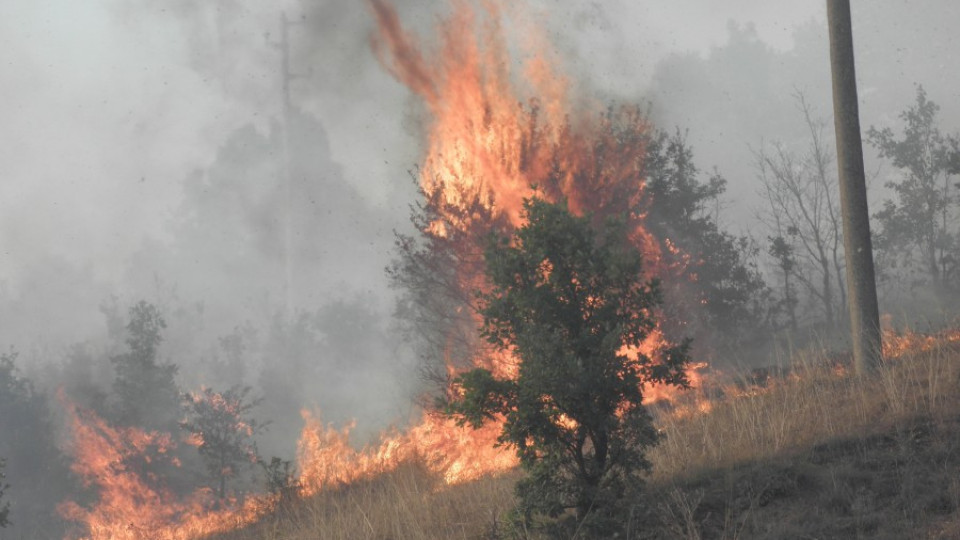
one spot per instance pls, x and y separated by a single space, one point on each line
107 105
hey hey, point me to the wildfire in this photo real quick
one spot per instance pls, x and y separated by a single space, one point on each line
130 503
497 135
327 459
898 344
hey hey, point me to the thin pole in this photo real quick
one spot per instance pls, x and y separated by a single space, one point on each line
288 285
862 287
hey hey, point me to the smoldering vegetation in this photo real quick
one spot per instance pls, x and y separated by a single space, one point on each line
251 252
263 270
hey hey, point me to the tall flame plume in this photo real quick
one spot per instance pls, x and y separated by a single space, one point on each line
130 505
499 131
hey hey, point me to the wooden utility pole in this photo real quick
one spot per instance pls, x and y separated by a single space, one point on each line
861 283
285 78
287 117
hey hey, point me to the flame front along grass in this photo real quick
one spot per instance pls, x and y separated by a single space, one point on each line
814 452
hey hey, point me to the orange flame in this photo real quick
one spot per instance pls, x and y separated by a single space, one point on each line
327 459
497 135
898 344
130 505
486 152
485 145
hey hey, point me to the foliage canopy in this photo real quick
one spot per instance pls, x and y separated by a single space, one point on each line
727 304
146 390
919 226
568 302
4 506
224 429
28 446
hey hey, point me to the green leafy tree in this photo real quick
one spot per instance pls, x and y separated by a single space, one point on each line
146 390
567 301
224 431
28 445
4 506
920 226
726 305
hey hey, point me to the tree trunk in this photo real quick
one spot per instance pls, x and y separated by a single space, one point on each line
222 491
827 290
791 304
932 260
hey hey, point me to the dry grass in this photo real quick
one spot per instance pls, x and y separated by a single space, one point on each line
814 454
818 454
816 401
408 503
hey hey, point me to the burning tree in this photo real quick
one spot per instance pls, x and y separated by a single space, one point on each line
130 504
716 291
572 304
498 136
223 431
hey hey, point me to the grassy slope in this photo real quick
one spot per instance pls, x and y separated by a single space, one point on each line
815 454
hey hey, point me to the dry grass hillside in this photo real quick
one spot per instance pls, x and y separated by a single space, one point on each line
812 452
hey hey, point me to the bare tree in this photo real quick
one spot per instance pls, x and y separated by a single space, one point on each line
803 214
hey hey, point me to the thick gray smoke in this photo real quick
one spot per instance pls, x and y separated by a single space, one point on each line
150 152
